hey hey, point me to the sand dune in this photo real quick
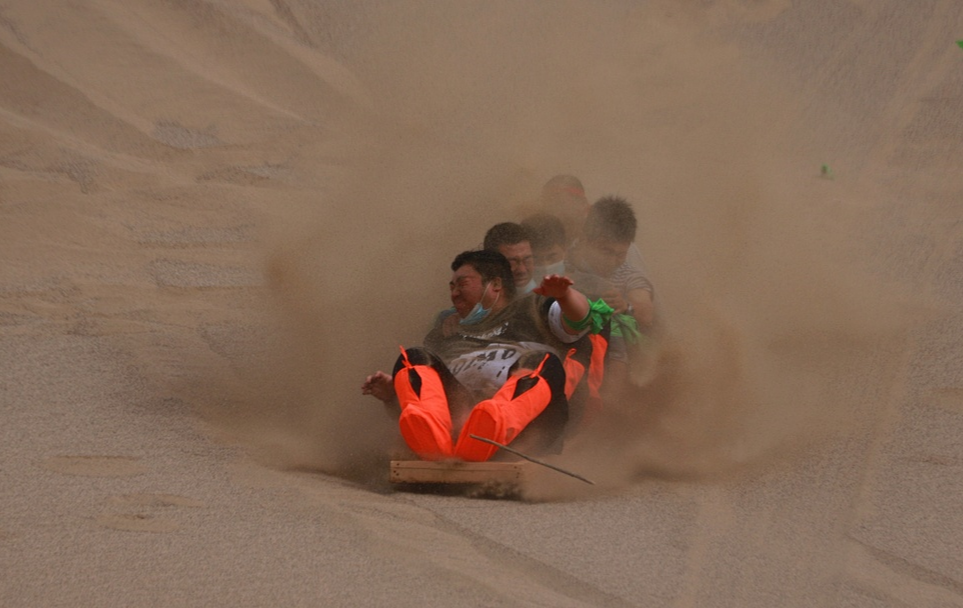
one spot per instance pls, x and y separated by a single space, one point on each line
217 217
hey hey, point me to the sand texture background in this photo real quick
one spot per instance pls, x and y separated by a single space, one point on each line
217 216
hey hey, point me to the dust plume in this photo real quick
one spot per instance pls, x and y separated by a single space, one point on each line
765 308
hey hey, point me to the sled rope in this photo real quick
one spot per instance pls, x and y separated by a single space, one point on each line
530 459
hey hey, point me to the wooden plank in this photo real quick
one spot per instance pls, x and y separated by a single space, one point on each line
456 471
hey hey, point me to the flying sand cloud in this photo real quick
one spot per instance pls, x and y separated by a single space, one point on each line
761 311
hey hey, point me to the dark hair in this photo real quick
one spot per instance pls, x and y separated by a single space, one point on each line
545 230
506 233
490 265
612 219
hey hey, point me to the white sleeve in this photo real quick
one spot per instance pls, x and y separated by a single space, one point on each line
558 329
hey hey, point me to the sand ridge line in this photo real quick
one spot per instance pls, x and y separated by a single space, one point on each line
399 526
191 56
531 569
896 578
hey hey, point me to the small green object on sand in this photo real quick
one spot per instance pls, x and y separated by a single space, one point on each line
826 172
960 42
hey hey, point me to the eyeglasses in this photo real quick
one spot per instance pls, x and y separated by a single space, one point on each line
525 261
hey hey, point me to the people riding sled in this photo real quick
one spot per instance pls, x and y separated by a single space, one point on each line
493 367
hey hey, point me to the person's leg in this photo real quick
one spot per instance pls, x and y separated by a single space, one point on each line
533 399
576 363
425 420
584 370
596 376
545 434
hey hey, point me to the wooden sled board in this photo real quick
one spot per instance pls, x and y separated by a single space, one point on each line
456 471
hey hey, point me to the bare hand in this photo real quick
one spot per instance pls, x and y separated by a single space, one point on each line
614 299
379 385
554 286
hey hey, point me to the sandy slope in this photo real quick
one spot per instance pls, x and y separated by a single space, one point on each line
217 217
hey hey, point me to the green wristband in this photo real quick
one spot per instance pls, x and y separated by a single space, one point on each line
578 325
598 315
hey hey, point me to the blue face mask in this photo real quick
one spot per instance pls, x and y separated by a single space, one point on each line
478 312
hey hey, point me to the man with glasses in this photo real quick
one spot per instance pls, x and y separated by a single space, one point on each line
513 241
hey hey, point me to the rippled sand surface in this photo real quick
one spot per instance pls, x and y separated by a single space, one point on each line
217 217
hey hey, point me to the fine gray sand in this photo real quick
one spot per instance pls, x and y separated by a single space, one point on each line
216 217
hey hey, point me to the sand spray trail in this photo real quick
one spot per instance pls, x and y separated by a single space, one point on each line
357 182
768 308
216 218
378 143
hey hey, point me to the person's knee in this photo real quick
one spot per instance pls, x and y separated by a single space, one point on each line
553 370
534 366
414 356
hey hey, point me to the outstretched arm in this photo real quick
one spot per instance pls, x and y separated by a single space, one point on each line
380 385
574 304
